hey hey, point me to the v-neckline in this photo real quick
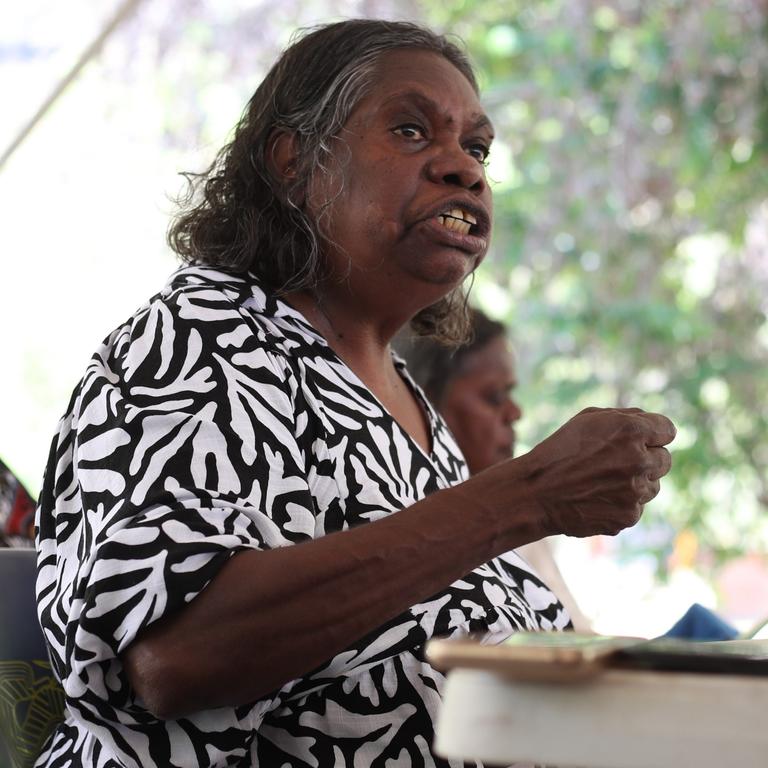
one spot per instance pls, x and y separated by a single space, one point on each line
288 310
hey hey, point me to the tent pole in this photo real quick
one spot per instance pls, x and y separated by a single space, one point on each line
125 11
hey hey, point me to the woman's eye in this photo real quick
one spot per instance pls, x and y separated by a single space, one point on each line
494 398
479 151
410 131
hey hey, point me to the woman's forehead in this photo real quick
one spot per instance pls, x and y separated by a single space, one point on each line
427 78
494 356
416 61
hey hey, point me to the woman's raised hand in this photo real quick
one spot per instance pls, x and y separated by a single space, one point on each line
595 473
592 476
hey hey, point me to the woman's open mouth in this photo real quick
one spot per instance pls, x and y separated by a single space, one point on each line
458 220
459 225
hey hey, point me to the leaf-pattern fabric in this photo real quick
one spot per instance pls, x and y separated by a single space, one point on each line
215 420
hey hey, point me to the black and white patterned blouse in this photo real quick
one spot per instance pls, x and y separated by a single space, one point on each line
216 419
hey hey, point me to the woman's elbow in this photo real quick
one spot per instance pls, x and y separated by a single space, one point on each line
155 682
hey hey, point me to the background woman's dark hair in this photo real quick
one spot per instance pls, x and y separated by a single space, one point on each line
434 365
236 215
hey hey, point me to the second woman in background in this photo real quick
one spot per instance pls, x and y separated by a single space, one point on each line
472 386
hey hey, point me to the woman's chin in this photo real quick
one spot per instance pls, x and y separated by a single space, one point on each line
438 264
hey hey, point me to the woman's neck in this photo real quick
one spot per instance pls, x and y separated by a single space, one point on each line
362 343
359 339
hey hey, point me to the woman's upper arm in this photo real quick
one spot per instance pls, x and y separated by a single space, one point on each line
161 471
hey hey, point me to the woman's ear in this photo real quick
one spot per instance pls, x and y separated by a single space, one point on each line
282 157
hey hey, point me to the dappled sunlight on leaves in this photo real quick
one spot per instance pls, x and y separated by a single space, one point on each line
634 246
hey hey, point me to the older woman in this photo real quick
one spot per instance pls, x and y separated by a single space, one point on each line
252 520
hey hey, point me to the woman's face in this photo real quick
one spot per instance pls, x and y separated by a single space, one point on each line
478 407
408 209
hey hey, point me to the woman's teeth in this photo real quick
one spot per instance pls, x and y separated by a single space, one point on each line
457 221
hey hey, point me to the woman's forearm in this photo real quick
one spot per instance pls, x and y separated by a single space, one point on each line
271 616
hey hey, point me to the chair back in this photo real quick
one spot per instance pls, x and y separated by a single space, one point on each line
31 700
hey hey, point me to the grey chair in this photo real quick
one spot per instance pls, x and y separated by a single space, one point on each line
31 700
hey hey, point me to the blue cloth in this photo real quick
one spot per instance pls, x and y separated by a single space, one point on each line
699 623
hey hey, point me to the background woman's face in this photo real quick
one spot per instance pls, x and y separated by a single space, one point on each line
478 406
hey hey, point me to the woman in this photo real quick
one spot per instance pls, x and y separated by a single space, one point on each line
472 386
251 521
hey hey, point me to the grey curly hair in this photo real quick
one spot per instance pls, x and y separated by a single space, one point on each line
235 215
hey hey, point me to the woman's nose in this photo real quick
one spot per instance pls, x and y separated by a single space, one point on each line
512 411
454 167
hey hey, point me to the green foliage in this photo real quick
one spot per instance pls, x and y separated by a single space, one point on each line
631 231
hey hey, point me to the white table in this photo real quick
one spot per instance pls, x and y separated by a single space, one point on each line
620 719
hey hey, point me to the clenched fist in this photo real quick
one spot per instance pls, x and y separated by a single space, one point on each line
595 473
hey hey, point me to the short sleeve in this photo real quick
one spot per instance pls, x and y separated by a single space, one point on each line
182 445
